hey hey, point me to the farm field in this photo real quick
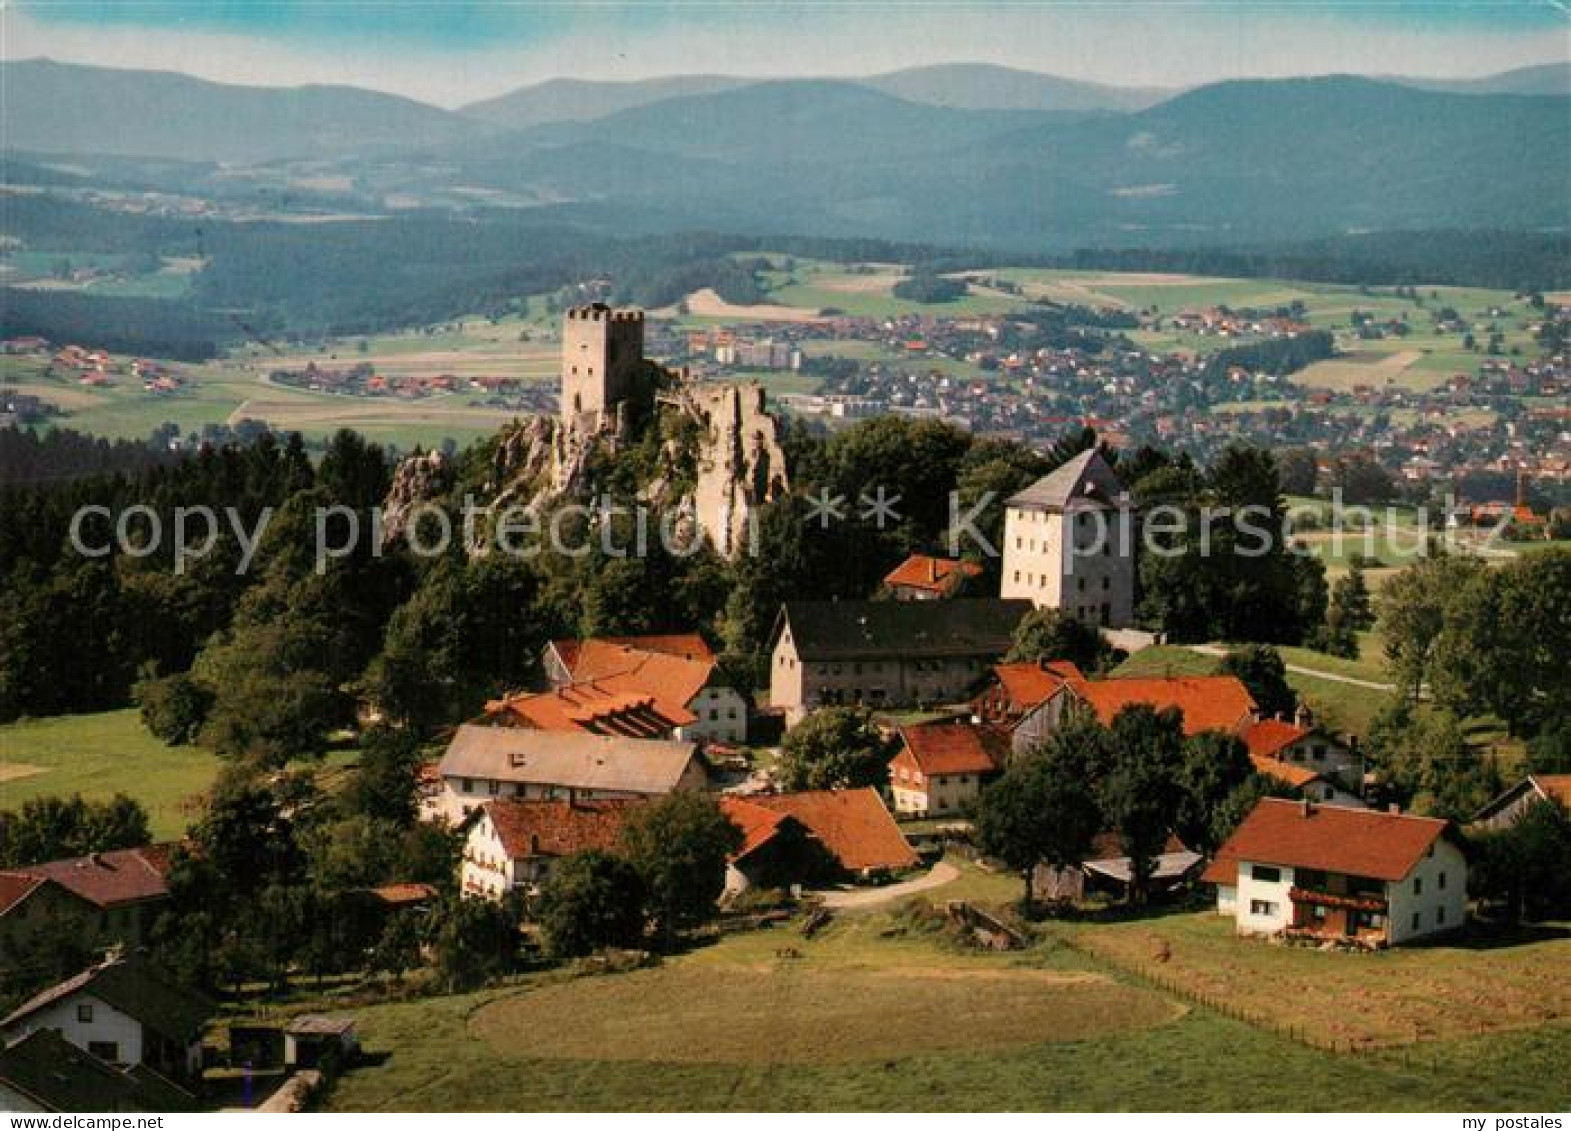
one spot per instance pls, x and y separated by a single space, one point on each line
99 755
709 1030
225 391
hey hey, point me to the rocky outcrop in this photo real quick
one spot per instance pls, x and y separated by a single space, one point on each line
741 464
736 464
416 480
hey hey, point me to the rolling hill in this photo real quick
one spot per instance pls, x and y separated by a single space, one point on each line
582 100
54 107
982 86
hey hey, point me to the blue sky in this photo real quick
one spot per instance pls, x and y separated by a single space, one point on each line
450 52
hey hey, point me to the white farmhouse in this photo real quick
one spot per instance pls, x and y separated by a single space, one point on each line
1327 872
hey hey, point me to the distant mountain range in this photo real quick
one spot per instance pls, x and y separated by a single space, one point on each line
64 108
967 155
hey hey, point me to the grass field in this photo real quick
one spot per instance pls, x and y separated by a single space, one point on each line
100 755
1399 996
111 752
870 1019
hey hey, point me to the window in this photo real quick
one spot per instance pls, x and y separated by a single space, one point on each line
105 1050
84 1013
1415 920
467 786
1418 885
1265 874
1441 880
1262 907
493 788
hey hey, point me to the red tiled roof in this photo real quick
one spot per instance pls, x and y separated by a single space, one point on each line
672 680
109 879
688 645
757 823
15 887
1211 702
1031 683
853 824
1295 776
936 575
1330 838
954 748
607 707
557 828
1269 736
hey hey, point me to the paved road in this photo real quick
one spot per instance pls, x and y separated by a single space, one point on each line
1298 669
942 873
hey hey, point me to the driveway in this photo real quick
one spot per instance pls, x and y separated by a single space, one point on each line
856 899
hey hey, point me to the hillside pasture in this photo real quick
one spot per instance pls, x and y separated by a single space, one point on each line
101 755
732 1026
794 1012
1444 990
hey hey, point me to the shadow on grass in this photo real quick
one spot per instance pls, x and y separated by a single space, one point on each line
1486 935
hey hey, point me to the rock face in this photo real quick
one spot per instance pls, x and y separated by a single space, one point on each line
539 461
416 480
741 464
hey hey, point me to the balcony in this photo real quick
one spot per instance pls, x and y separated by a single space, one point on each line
1352 902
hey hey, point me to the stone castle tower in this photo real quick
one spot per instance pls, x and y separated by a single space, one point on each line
602 350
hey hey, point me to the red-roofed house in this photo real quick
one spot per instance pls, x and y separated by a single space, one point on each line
853 825
777 850
1328 872
1301 743
562 655
678 673
1209 702
924 578
605 707
1027 699
513 844
941 767
96 901
1307 784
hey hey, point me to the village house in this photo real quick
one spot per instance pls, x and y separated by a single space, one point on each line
678 674
1332 873
813 836
1207 702
125 1011
941 767
885 653
484 763
1026 699
1512 805
95 901
44 1072
1069 543
607 708
513 845
924 578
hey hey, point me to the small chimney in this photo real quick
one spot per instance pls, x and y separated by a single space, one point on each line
1308 808
1393 808
1305 718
